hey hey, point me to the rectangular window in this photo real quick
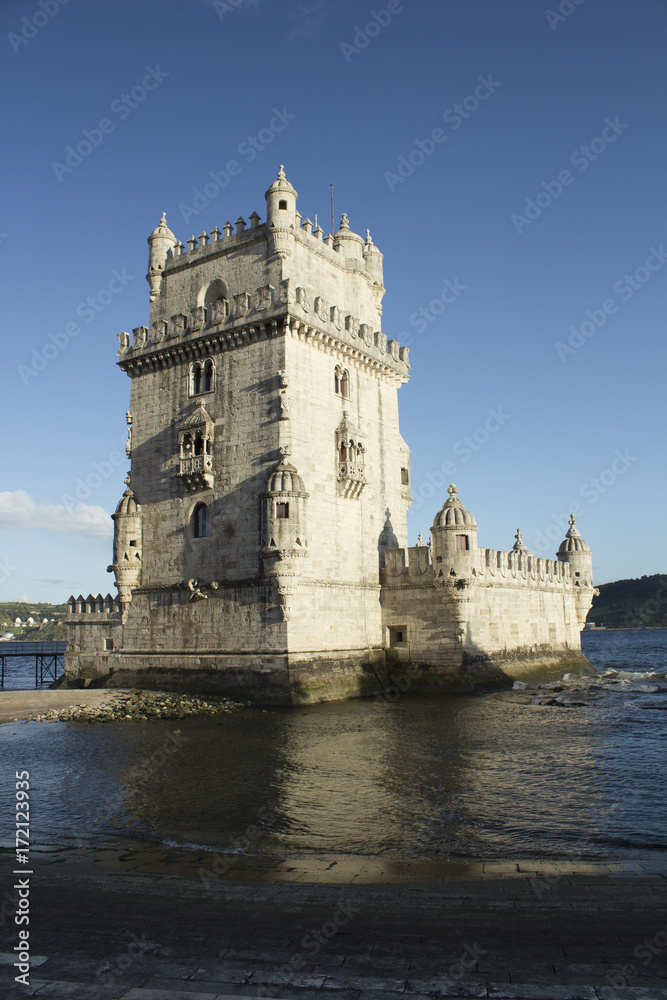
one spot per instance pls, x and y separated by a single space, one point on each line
133 542
108 645
398 635
282 510
462 543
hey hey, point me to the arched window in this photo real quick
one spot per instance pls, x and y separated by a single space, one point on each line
186 446
342 452
199 444
341 382
200 520
201 377
207 376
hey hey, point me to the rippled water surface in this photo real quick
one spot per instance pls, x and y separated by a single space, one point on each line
572 767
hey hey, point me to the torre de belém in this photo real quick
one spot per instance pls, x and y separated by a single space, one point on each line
260 548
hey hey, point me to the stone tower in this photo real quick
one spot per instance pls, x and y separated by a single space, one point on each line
265 453
260 548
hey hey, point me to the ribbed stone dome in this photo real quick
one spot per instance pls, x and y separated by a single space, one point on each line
128 503
573 542
453 513
163 229
280 184
285 479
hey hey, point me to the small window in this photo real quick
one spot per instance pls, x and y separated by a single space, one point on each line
398 635
207 377
108 645
282 205
405 477
282 510
200 519
133 544
462 543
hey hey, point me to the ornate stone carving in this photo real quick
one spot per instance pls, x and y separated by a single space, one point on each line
178 325
128 443
304 299
241 304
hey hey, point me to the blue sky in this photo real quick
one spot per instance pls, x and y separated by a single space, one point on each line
509 161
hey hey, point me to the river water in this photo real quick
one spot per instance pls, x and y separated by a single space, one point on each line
571 768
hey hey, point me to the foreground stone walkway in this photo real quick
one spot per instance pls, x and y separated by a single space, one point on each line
119 931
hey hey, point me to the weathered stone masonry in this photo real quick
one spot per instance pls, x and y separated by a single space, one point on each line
260 547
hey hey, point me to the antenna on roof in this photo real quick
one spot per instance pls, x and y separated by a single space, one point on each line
332 212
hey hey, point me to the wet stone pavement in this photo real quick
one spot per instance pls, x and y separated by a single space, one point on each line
125 927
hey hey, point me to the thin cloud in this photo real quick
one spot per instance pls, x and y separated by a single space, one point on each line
19 510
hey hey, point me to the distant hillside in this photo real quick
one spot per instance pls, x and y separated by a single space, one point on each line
52 631
638 603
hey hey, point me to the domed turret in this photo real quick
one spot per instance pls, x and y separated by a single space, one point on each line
577 552
285 479
520 545
281 203
454 532
284 513
573 542
127 550
373 259
350 245
161 241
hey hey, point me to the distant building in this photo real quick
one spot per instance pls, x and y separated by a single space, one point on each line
260 547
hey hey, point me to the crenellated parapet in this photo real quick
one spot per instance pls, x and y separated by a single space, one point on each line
103 608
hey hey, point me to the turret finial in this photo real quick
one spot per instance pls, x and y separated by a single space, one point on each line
281 173
452 489
344 221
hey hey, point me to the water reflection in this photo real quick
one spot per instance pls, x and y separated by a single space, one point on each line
516 774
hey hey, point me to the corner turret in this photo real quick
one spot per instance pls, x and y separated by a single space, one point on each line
350 245
373 259
127 550
161 241
280 214
577 552
454 532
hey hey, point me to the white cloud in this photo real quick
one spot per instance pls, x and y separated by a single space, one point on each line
19 510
